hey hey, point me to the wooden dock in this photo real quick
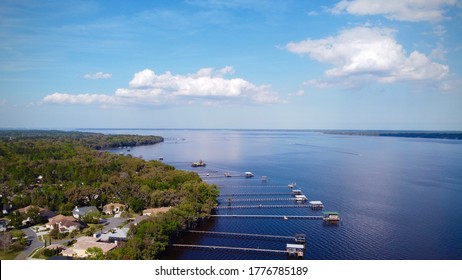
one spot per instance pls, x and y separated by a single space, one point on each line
263 206
258 199
229 248
254 194
238 234
269 217
263 186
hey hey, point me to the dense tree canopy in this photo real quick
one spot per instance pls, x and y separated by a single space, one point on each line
60 170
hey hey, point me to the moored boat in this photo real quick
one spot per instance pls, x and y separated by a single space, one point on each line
199 163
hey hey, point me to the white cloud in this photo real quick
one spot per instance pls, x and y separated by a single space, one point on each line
403 10
206 84
365 54
85 98
97 76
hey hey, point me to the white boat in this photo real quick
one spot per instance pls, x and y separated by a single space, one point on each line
248 174
292 185
199 163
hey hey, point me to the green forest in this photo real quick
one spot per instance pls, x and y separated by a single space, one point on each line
76 172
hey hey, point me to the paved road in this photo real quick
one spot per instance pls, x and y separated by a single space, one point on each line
34 245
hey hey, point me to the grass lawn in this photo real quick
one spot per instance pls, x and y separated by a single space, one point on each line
8 255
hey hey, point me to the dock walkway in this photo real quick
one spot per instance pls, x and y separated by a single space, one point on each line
269 217
258 199
263 206
229 248
254 194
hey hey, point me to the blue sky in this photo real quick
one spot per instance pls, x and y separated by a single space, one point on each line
358 64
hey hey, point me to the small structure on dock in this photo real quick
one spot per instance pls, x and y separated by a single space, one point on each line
331 217
248 174
295 250
264 178
297 192
316 204
199 163
300 238
300 198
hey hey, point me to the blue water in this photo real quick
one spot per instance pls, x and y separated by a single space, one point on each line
399 198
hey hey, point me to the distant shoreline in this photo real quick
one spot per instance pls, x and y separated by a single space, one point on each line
405 134
425 134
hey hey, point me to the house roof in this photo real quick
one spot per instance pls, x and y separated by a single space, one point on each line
85 242
45 213
119 233
295 246
82 211
107 207
316 202
330 213
27 208
63 220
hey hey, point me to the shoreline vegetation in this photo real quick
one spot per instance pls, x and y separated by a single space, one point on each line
453 135
58 170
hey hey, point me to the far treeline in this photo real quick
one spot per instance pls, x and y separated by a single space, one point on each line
407 134
75 173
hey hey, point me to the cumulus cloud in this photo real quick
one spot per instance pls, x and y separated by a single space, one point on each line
364 54
403 10
207 84
97 76
86 98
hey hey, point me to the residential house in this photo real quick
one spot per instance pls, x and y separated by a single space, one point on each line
63 223
79 212
155 211
83 243
113 235
113 208
44 213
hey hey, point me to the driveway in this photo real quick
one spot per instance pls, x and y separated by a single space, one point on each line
113 223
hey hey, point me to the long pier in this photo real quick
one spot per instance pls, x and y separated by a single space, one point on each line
255 186
269 217
252 194
263 206
229 248
237 234
259 199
